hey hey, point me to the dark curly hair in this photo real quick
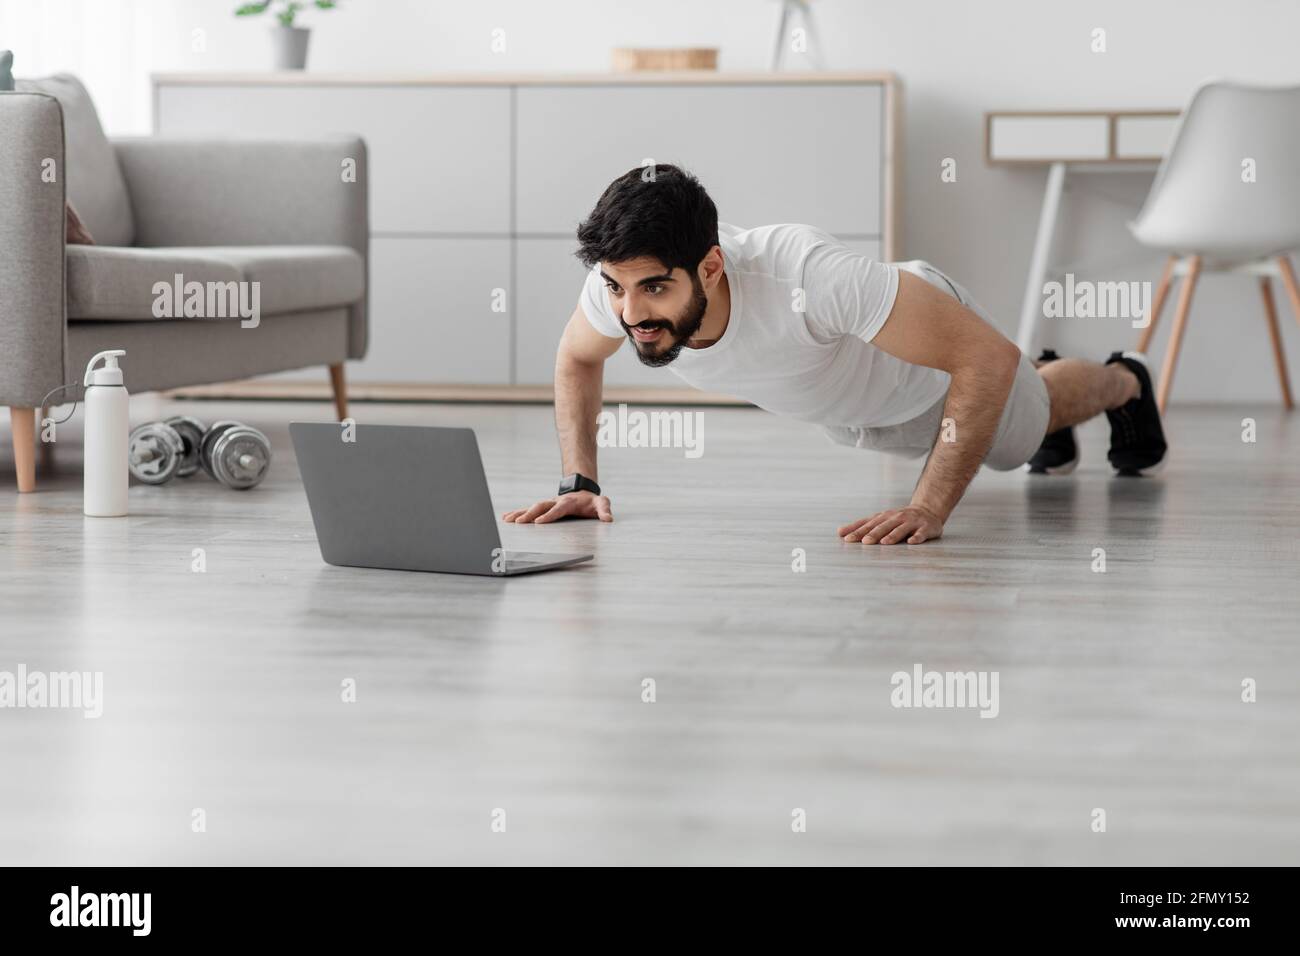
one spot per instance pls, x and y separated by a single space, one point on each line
660 211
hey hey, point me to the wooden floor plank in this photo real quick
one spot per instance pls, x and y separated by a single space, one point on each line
1119 690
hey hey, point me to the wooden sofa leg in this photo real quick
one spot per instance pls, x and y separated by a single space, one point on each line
340 386
23 422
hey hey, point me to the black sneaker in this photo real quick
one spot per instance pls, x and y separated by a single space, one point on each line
1137 441
1058 454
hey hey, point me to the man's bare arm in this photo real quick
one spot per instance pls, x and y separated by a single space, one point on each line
976 399
579 381
579 377
928 327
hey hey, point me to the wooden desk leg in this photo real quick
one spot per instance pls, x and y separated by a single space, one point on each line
23 423
1032 306
1275 336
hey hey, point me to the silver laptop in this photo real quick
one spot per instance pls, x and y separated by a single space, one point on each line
406 497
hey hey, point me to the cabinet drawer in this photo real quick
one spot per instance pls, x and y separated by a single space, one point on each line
439 157
802 153
431 318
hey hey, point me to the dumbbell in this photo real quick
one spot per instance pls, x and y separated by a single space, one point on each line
236 455
157 452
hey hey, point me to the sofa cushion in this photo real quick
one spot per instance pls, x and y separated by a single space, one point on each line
91 175
109 282
294 278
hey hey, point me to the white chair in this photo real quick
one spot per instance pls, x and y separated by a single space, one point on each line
1227 199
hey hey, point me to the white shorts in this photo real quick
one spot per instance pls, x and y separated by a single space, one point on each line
1020 431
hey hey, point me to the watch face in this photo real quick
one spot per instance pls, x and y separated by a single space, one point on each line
569 484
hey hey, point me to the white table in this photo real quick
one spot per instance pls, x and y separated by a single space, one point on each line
1070 142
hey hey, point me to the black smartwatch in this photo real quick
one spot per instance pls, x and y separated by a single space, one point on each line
577 482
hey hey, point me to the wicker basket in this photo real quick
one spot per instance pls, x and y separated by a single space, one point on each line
630 60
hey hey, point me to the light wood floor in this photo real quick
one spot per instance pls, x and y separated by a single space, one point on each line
1118 691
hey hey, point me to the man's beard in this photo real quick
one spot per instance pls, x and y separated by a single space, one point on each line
680 331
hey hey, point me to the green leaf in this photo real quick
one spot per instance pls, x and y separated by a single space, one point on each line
327 4
287 14
251 9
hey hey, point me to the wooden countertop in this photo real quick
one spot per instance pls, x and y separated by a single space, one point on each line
648 78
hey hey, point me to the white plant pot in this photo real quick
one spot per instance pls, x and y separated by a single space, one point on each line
290 44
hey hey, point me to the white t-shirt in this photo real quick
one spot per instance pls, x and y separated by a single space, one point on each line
817 365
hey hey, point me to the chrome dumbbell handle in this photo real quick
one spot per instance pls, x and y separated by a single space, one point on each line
191 431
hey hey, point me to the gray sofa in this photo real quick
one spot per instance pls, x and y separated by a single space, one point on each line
290 215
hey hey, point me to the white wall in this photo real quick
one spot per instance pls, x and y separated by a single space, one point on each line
957 59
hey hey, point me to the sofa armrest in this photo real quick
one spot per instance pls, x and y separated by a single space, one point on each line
231 192
33 324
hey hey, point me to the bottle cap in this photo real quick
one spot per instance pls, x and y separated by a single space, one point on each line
110 374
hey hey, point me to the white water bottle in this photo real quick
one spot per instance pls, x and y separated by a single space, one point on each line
107 428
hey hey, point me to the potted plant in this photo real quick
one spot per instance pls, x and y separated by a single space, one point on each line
290 41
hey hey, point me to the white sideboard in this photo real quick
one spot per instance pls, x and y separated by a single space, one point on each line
477 183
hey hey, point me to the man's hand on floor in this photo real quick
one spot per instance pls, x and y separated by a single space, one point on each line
579 504
911 524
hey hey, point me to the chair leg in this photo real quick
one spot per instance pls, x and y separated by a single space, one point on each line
1288 280
1176 338
340 386
1162 293
23 422
1275 335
